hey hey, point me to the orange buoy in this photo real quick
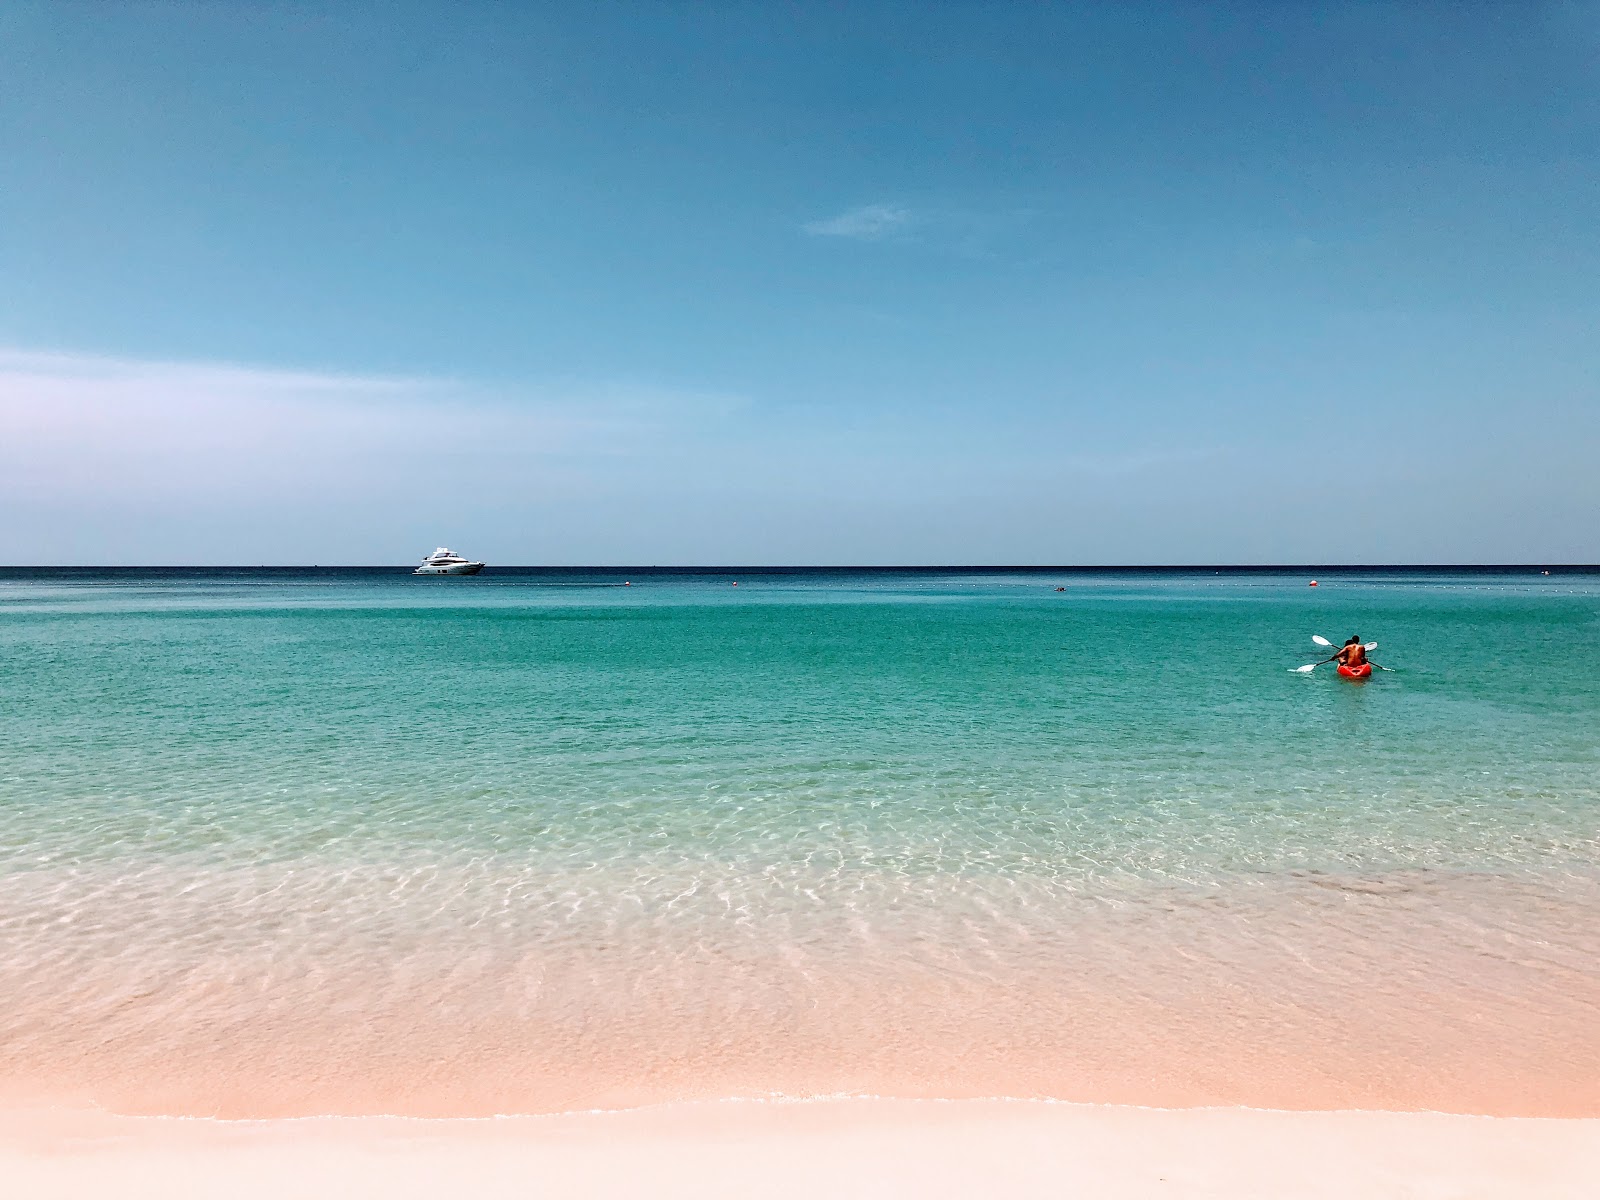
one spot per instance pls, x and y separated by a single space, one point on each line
1313 583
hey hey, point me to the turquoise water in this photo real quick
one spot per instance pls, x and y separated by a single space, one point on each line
573 809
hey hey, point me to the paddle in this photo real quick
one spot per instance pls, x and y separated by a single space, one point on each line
1322 641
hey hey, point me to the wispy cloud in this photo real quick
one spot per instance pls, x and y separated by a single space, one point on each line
867 223
963 230
89 424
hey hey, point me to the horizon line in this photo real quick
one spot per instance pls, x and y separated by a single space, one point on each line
775 568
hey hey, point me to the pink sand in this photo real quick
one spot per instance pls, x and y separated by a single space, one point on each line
834 1148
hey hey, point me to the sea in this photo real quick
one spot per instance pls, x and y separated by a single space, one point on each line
281 842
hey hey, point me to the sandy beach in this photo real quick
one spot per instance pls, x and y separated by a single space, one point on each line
839 1147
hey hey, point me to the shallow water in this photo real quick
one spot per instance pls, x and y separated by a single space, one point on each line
356 841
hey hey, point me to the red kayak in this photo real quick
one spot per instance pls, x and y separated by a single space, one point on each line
1360 672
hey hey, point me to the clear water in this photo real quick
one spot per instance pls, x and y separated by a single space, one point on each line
358 841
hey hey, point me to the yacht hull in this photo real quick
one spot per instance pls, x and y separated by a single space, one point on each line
452 569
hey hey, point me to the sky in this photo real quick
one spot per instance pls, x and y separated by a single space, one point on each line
756 283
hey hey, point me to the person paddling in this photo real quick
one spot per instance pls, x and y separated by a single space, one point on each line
1352 654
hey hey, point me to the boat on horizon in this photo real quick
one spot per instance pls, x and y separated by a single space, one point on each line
447 562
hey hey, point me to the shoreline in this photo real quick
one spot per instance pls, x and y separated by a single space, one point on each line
1390 990
849 1146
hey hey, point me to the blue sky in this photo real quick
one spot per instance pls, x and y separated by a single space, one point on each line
765 283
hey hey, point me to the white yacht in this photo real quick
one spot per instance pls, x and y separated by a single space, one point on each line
447 562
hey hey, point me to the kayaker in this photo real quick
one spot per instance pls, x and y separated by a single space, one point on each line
1352 654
